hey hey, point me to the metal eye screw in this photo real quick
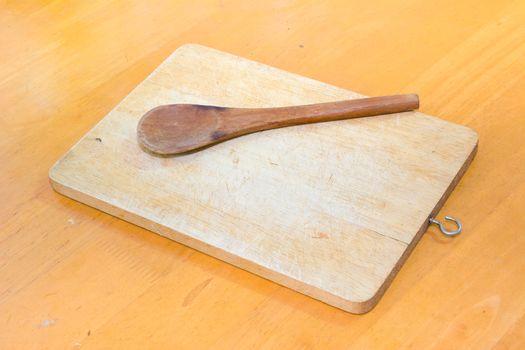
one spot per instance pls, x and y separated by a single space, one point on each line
444 230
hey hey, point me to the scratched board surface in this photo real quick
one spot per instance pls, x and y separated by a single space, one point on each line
331 210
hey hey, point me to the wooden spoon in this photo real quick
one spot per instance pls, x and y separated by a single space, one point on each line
179 128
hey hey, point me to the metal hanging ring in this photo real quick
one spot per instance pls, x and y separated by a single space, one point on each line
444 230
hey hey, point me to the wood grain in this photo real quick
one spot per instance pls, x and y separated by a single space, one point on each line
179 128
74 277
329 210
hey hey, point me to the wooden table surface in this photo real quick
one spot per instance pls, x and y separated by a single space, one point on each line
73 277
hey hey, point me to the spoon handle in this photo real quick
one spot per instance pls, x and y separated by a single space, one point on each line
249 120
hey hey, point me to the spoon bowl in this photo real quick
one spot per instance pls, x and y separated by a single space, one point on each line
178 128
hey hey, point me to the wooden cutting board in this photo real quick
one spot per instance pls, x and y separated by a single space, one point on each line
331 210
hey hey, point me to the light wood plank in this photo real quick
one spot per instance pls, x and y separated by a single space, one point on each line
327 209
